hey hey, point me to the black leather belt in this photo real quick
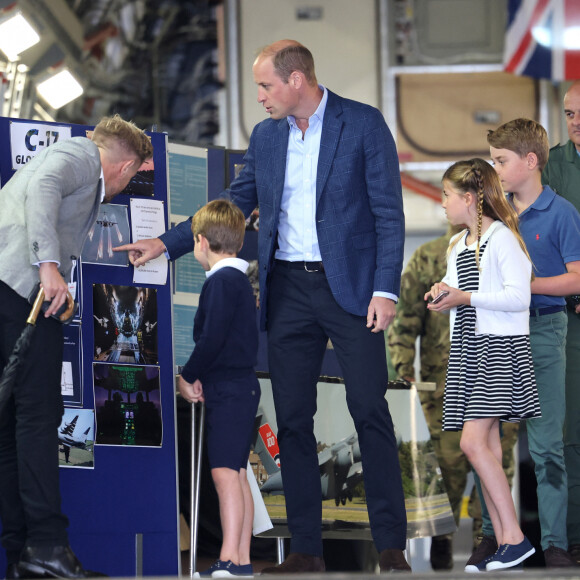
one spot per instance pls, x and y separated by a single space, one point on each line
546 310
307 266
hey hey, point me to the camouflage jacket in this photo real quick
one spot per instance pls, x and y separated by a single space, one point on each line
426 266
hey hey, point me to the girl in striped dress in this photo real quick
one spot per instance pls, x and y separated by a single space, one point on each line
490 376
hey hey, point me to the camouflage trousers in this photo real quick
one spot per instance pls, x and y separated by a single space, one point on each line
454 465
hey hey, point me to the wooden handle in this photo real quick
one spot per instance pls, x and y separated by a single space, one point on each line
70 308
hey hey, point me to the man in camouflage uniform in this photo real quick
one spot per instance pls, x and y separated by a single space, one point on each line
427 266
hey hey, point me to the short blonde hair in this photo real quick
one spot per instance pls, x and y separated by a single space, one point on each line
223 224
125 135
522 136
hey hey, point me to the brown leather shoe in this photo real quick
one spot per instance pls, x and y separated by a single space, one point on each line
393 561
573 550
558 558
297 564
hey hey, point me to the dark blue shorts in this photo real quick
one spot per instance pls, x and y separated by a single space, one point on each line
230 413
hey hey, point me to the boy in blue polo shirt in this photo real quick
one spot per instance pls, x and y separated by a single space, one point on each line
550 227
220 371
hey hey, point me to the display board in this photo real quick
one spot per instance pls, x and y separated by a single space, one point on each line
196 175
344 507
118 437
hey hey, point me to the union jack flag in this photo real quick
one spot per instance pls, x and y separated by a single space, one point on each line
543 39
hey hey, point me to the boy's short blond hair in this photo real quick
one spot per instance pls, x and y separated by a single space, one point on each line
522 136
223 224
115 132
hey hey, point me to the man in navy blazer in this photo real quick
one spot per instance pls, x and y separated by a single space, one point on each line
324 172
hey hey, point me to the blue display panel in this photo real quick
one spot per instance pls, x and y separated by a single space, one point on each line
123 511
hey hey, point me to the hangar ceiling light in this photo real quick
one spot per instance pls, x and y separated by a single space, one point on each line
16 35
59 89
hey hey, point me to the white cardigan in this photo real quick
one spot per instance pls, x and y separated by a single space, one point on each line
502 303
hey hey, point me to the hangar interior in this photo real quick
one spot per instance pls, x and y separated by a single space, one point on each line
183 67
434 68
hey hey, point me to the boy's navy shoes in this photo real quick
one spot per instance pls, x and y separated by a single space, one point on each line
509 555
221 569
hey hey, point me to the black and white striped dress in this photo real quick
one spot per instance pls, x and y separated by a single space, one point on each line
487 375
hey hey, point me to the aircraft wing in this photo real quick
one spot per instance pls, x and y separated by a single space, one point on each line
355 475
69 428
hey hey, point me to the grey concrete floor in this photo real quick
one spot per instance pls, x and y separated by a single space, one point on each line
418 555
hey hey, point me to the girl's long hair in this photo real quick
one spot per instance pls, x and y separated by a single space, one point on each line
480 179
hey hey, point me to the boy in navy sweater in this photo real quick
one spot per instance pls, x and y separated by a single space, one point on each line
220 371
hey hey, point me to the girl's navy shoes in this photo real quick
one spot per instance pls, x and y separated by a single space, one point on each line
509 555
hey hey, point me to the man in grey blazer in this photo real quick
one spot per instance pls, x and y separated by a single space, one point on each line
46 211
324 172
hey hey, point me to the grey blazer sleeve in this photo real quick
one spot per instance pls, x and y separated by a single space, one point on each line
46 210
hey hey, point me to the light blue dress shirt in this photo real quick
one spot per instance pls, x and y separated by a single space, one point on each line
297 237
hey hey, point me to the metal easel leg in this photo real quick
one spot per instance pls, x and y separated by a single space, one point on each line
196 451
280 550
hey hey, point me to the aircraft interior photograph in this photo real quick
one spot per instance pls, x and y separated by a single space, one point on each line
289 287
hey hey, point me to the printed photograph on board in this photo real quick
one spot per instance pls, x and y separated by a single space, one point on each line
127 405
110 230
143 182
76 438
344 508
125 324
71 378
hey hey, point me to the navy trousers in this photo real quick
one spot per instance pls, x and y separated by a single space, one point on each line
30 499
302 315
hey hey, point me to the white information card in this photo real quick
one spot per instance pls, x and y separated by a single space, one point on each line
147 221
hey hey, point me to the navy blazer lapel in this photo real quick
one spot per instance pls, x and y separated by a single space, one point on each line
331 129
279 156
